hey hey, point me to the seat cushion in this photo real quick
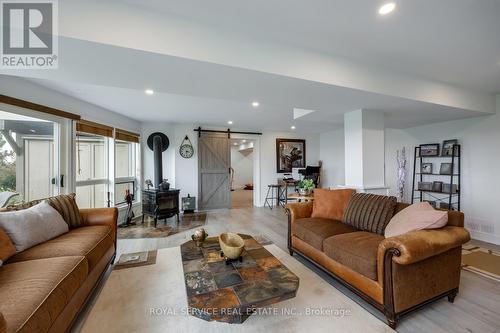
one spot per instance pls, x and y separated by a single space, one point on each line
370 212
91 242
35 292
356 250
331 204
314 230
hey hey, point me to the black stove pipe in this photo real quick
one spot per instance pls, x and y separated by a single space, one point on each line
158 163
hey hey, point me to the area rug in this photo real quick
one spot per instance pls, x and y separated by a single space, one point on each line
129 260
148 230
481 261
153 299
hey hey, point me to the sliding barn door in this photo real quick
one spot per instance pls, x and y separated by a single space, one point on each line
214 160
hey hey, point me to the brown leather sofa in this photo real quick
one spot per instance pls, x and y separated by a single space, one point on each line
44 288
396 275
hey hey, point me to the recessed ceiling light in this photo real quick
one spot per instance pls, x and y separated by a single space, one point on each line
230 122
387 8
236 143
149 91
292 127
255 104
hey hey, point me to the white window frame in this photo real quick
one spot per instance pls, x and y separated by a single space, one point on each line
62 140
95 181
134 165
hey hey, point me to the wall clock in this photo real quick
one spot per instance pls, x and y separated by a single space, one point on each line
186 149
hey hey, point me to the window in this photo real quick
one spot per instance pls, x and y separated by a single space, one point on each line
29 155
100 181
92 177
125 169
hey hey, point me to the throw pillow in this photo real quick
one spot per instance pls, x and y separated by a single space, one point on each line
29 227
66 205
418 216
7 249
331 204
370 212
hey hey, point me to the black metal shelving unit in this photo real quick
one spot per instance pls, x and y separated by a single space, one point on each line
452 198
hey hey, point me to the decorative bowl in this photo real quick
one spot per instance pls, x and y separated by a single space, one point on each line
199 236
231 244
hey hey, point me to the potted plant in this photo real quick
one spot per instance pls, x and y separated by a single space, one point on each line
306 186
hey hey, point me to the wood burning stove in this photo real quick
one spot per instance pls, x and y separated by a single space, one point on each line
160 202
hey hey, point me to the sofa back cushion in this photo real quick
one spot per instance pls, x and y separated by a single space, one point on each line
32 226
418 216
370 212
7 249
331 204
65 204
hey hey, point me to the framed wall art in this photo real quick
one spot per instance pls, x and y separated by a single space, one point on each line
290 153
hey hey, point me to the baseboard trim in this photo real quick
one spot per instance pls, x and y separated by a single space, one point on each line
485 237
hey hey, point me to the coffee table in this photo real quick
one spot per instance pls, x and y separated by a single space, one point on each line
230 292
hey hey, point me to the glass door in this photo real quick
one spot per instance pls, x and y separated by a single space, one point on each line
32 147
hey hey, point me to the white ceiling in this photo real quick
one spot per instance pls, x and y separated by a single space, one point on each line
455 41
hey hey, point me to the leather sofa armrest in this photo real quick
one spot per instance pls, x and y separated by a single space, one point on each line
3 324
418 245
299 210
101 216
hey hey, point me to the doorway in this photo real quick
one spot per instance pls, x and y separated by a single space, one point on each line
242 171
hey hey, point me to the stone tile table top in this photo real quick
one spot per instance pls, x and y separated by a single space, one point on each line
229 292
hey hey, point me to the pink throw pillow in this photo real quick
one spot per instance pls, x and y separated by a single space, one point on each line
418 216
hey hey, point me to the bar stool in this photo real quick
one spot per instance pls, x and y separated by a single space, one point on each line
273 193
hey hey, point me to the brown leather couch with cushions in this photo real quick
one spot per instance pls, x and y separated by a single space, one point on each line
43 288
397 274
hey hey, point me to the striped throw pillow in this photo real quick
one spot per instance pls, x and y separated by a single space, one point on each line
66 205
370 212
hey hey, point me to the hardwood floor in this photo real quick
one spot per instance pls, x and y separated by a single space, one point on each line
476 308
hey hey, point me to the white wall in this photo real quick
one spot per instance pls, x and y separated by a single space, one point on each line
182 173
186 169
353 148
168 161
268 155
480 140
331 152
242 163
